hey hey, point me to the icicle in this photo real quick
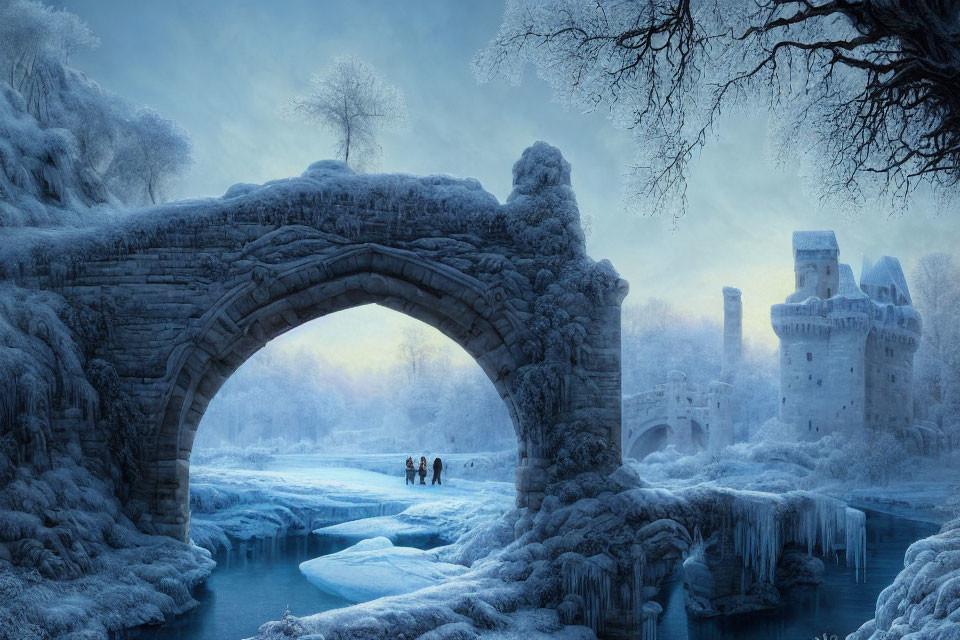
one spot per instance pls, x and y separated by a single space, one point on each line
856 530
587 578
756 537
651 611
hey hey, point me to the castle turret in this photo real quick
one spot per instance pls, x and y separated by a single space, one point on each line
732 333
890 347
719 415
815 265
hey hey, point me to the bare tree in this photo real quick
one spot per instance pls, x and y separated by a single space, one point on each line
352 101
866 92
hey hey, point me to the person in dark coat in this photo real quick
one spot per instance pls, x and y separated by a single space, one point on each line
410 471
423 469
437 468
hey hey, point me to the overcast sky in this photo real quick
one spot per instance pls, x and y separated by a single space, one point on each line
220 69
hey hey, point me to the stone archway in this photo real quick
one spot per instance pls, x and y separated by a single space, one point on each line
650 438
243 322
183 294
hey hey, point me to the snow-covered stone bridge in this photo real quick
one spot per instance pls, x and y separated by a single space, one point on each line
687 416
166 304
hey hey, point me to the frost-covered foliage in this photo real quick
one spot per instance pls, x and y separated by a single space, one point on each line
936 387
72 565
72 562
775 462
39 361
65 143
863 92
355 104
924 600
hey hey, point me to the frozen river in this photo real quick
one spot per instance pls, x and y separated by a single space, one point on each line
255 582
837 607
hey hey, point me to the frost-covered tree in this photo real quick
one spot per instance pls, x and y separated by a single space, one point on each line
66 143
417 352
865 92
152 153
354 103
936 287
36 43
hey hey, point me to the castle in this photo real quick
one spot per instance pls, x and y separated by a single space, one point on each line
846 351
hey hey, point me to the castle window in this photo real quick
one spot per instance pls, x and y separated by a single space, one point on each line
828 293
718 405
828 269
809 357
851 369
820 382
784 400
810 425
893 378
810 376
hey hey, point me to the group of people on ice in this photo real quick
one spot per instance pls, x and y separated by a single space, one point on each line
413 472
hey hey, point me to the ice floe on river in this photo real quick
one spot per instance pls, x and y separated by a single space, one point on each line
374 568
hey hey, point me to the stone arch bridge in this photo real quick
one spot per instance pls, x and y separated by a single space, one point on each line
687 416
164 305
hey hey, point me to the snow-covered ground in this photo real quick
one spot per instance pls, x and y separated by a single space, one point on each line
924 488
304 492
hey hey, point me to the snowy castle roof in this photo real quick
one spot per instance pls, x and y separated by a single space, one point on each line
886 273
815 241
848 284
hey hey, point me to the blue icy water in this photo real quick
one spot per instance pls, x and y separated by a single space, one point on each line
253 584
837 607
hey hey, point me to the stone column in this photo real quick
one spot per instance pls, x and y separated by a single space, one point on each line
732 333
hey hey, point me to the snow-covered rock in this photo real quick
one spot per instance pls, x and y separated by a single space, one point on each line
923 603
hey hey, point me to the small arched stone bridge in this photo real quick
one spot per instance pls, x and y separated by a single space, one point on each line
182 295
687 416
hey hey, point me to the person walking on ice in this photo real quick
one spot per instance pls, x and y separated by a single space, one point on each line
423 470
410 471
437 468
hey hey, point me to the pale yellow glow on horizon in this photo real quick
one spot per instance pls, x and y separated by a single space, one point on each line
363 339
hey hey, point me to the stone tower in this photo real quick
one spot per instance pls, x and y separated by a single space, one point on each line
732 333
815 265
846 352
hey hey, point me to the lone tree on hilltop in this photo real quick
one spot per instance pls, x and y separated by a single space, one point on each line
865 93
351 100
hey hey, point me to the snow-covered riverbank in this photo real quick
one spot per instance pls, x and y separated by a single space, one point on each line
301 493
